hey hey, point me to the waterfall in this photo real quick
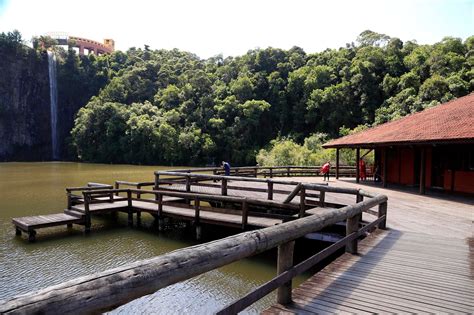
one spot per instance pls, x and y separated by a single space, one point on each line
53 94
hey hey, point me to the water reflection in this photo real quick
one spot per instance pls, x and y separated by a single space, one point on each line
61 254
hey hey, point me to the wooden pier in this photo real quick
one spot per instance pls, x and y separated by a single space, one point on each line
382 271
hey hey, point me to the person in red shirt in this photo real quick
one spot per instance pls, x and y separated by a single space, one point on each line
325 170
362 171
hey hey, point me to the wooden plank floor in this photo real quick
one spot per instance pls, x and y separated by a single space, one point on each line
181 212
394 272
40 221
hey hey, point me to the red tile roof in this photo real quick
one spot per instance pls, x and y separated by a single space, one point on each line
449 122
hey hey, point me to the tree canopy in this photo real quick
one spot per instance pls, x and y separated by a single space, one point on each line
172 107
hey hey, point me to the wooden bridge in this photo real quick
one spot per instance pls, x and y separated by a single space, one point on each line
382 271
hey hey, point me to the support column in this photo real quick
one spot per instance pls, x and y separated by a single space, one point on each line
285 262
352 225
337 163
357 164
422 171
384 168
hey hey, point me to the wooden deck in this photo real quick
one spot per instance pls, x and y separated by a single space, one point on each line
423 263
181 212
394 272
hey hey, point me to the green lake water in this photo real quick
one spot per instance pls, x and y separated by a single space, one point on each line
60 254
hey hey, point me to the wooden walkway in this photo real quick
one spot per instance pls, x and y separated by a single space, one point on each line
394 272
183 212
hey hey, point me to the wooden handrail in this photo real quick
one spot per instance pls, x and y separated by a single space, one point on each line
114 287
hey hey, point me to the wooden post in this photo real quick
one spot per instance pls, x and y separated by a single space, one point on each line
139 194
157 182
116 186
69 200
270 190
352 225
245 213
383 211
271 172
87 215
129 208
384 175
17 231
337 163
302 202
357 164
214 172
31 236
322 198
285 262
288 171
160 205
224 187
188 183
422 171
196 217
256 171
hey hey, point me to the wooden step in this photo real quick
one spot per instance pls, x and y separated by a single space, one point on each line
75 213
32 223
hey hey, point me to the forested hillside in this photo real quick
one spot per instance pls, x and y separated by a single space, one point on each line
171 107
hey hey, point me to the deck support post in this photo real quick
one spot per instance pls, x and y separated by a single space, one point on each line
129 208
87 214
383 211
197 204
285 262
288 172
271 172
322 198
17 231
270 190
302 202
139 218
245 213
384 175
157 182
357 164
69 225
337 163
352 225
422 171
31 236
224 187
198 232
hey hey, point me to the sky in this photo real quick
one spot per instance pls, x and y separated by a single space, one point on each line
232 27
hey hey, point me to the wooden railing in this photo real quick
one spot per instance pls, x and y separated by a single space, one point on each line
108 289
271 171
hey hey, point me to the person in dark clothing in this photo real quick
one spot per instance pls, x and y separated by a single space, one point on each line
226 167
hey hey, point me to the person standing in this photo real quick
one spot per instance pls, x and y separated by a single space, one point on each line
226 167
362 170
325 170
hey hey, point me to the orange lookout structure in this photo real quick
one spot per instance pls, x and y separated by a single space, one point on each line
85 46
432 149
107 47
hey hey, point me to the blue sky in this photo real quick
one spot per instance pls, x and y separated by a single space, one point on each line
231 27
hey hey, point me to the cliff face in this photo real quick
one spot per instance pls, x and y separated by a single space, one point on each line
25 126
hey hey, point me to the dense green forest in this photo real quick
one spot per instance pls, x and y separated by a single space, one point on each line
172 107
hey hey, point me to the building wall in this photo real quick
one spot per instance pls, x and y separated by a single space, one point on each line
446 167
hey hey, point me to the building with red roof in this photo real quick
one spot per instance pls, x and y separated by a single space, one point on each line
430 149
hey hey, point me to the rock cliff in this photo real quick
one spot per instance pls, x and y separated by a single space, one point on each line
25 126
